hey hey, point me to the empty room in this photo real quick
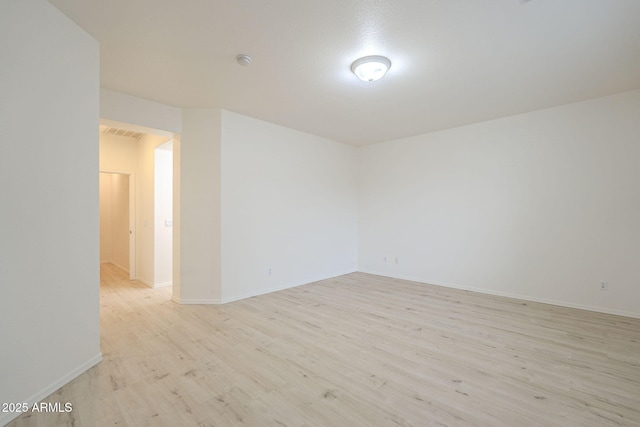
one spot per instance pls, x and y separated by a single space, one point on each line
338 213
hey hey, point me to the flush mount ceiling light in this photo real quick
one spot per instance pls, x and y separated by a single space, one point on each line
371 68
243 59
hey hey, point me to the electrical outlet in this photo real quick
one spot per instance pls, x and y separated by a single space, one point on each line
269 272
604 286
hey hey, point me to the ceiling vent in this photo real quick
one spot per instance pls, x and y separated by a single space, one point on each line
121 132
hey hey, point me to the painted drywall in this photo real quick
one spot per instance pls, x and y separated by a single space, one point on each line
114 219
145 246
118 154
120 220
199 175
289 207
147 116
175 239
542 206
106 244
49 304
163 214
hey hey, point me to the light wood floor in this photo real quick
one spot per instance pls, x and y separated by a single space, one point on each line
358 350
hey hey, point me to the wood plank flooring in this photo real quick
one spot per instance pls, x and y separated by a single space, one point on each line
357 350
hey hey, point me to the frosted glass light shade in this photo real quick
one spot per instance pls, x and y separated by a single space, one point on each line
371 68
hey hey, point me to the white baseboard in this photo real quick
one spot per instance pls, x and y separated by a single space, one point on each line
510 295
283 287
155 285
238 297
126 270
196 301
5 418
116 265
162 285
144 282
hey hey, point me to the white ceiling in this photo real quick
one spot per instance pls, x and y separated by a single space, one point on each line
454 62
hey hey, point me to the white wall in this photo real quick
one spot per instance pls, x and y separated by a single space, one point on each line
289 205
199 216
106 244
49 304
145 197
147 116
114 219
120 220
542 206
118 154
257 197
163 212
175 238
